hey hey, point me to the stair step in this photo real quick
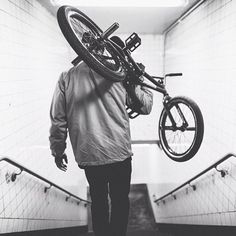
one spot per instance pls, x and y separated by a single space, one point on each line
143 233
136 233
141 217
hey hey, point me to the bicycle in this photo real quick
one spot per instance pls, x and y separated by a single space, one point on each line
180 116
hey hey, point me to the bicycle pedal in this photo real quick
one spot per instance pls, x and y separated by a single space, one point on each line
132 114
132 42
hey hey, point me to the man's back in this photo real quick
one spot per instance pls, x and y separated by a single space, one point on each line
97 120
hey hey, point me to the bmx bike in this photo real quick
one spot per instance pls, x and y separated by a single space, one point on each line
181 125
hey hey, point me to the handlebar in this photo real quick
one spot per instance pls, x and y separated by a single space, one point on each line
173 74
110 30
167 75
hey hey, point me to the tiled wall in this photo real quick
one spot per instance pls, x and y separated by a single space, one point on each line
203 47
211 202
28 204
32 55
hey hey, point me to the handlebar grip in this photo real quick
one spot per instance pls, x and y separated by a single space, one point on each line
110 30
174 74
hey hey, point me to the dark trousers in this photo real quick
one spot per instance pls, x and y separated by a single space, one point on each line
112 179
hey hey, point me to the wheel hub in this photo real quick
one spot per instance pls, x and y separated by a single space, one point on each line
92 42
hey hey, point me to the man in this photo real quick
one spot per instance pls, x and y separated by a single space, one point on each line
93 111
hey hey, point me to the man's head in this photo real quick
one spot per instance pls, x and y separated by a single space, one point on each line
117 40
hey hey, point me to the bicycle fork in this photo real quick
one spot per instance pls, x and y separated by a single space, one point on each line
174 127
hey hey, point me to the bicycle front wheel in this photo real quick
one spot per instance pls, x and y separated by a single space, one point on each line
181 131
83 35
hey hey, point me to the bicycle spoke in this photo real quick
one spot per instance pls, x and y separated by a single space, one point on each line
87 38
79 24
106 60
76 28
187 140
82 26
107 57
179 138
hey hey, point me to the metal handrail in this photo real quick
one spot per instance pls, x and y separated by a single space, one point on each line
22 168
198 175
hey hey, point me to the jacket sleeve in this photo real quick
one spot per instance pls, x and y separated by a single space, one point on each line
145 97
139 99
58 129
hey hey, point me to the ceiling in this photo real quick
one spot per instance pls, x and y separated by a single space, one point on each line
140 20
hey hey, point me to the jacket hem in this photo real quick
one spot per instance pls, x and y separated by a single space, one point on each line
82 165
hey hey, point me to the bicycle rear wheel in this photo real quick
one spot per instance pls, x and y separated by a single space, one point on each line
181 140
83 35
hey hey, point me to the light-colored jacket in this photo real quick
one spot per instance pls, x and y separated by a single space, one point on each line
93 110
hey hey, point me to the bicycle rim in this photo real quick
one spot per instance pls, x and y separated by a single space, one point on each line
177 143
89 38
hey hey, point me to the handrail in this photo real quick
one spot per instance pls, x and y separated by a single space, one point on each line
22 168
198 175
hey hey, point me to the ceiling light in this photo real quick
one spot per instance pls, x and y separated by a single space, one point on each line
122 3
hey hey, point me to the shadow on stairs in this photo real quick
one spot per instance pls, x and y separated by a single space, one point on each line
141 218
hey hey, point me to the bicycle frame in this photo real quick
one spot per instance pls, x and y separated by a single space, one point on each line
136 72
133 69
131 65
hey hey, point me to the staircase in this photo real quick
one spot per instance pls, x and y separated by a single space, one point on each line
141 218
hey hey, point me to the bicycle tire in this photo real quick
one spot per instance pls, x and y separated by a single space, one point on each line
170 149
63 16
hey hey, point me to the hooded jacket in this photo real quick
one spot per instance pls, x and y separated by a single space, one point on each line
93 111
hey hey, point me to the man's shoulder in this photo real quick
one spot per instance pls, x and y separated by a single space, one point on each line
80 66
81 70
